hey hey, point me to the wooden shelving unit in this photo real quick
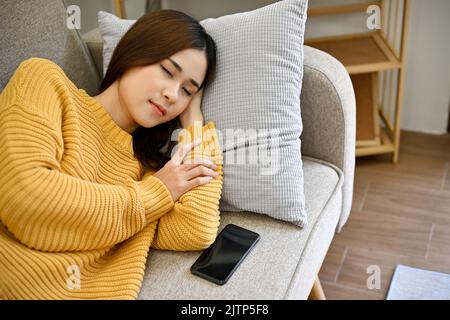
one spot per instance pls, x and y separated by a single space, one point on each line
369 57
119 8
360 53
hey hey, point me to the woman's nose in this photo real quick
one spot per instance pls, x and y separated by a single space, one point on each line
171 94
170 99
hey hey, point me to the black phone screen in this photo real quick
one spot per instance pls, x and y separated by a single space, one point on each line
219 261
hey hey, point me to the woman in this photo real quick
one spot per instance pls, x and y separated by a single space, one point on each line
87 184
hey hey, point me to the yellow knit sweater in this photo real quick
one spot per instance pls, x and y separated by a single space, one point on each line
78 214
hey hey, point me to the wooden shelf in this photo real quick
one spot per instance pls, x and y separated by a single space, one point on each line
349 8
359 53
367 118
386 146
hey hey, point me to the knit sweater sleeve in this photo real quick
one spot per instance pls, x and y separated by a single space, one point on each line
193 222
49 210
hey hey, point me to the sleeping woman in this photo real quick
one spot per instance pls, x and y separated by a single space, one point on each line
89 184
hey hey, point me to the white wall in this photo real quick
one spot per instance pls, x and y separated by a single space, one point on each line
134 8
427 84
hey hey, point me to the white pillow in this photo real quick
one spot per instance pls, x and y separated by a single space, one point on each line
112 28
256 92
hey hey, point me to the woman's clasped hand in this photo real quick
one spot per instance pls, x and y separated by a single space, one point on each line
181 175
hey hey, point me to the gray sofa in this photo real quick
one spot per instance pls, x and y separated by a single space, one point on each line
286 261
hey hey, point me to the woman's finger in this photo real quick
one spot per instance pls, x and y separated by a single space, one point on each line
188 167
200 171
199 181
198 160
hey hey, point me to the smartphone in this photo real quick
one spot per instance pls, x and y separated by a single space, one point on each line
219 261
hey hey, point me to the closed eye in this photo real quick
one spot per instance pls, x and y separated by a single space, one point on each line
167 71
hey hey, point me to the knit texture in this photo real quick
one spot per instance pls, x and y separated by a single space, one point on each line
78 213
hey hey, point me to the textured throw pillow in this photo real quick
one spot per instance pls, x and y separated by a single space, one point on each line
112 28
255 103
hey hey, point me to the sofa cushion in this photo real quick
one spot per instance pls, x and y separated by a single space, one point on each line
36 28
283 263
255 103
257 91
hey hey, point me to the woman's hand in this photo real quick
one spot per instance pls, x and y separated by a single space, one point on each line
180 177
193 112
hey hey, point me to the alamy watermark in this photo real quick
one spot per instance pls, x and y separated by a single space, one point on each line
258 147
374 20
73 20
74 277
374 280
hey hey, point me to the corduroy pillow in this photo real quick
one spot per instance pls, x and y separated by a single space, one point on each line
255 103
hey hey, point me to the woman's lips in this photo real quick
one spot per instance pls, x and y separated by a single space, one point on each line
157 109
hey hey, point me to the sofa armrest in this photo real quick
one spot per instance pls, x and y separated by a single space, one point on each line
94 42
328 111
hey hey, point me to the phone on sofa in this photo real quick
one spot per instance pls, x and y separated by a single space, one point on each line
219 261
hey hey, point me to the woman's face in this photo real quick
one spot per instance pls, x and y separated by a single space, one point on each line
170 83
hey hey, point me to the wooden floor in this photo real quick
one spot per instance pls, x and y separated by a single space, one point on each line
400 215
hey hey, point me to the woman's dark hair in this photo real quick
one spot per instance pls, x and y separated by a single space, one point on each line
154 37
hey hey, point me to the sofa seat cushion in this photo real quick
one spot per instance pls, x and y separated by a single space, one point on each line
282 265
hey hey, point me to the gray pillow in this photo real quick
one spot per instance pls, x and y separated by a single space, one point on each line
255 102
